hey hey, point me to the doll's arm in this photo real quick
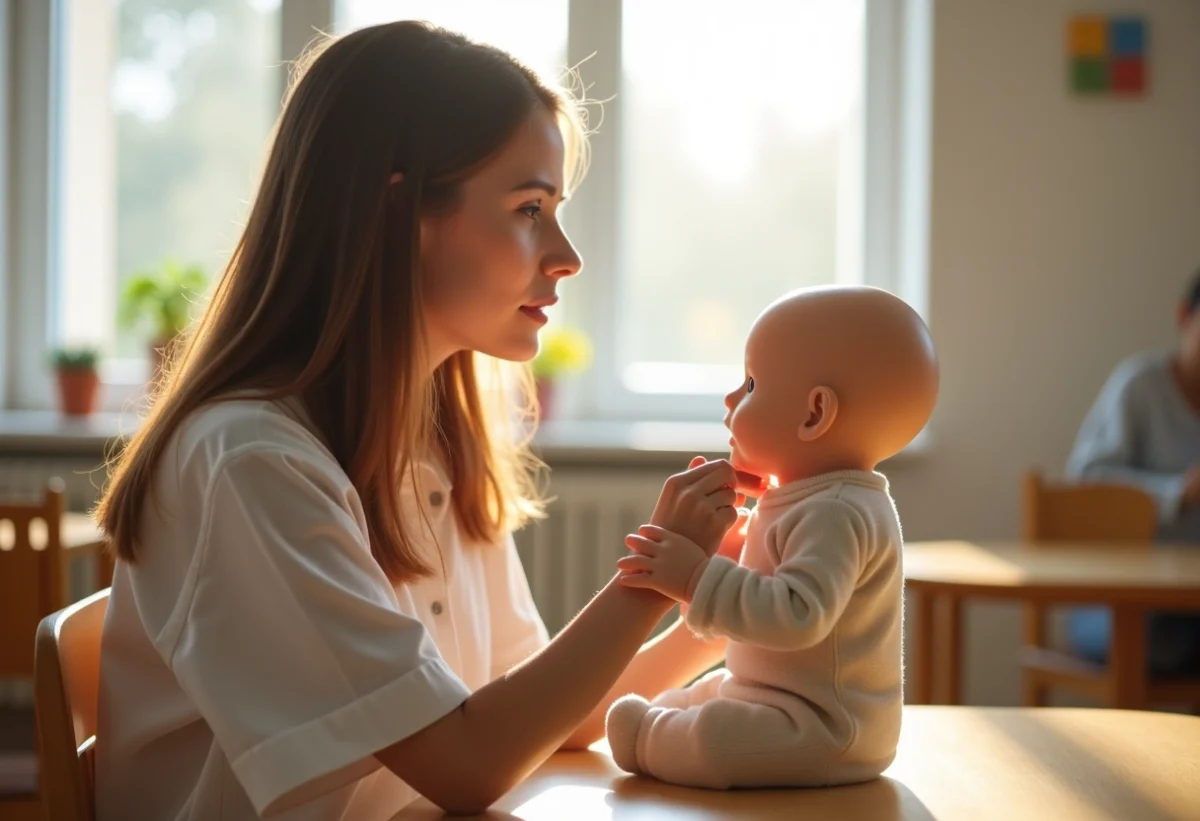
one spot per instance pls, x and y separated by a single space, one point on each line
820 562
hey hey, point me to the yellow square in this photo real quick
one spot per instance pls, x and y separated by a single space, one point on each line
1088 36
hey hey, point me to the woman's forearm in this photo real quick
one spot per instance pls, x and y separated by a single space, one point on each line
525 715
673 658
507 728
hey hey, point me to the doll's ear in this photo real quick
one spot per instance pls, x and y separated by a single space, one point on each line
822 410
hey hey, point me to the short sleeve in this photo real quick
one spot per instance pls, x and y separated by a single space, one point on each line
289 638
517 630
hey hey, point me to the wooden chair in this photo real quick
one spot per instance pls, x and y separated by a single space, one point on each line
32 585
67 690
1083 512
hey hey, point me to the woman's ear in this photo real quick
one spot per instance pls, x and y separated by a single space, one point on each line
822 410
396 178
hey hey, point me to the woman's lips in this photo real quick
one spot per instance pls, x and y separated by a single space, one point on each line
536 314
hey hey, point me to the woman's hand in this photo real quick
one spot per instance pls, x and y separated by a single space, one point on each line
735 537
701 504
662 561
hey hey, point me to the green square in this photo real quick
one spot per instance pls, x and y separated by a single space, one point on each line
1089 74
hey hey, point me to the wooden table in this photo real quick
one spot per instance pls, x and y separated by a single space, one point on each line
1129 580
953 763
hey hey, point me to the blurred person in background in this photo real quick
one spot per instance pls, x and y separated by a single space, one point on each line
1144 430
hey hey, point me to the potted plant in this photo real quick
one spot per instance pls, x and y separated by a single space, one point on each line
78 380
562 351
160 299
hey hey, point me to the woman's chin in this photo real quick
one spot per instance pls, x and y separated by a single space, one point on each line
522 350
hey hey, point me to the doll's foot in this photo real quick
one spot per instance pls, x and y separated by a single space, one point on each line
621 726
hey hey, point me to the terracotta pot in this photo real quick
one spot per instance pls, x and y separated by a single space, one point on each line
545 397
78 390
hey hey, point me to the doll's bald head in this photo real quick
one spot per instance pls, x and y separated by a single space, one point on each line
837 377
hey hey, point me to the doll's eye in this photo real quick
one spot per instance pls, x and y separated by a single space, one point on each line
750 385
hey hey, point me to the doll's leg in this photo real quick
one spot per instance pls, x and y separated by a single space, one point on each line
625 716
726 743
703 689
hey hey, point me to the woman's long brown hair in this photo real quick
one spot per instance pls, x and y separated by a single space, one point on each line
321 298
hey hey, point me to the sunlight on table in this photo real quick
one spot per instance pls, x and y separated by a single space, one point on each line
572 801
915 755
962 560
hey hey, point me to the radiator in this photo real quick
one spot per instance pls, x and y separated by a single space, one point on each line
26 477
572 553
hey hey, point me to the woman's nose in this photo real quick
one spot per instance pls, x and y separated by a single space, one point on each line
564 260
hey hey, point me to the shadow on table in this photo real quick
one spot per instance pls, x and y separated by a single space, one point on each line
883 799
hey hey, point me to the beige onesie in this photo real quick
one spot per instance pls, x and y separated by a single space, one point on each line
811 693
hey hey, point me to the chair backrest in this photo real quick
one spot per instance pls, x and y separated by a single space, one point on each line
1086 512
32 581
67 688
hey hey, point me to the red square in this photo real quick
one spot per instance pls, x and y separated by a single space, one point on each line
1128 75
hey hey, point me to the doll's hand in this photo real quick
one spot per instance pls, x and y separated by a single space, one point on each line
667 562
700 504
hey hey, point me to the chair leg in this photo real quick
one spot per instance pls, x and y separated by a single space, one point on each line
1034 692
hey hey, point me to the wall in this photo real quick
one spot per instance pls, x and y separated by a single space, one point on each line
1062 233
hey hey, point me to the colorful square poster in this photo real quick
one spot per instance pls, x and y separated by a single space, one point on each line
1107 55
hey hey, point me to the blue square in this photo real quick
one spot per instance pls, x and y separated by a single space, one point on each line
1127 37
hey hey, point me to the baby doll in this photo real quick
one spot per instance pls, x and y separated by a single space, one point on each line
837 380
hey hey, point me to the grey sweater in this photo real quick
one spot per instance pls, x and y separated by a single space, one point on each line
1142 431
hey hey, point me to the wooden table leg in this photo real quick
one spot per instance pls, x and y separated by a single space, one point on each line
1127 657
921 670
949 652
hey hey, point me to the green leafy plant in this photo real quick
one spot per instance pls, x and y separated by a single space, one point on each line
75 358
162 298
562 351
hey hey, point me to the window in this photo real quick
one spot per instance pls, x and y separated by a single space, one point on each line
533 31
157 119
739 166
743 150
164 121
744 155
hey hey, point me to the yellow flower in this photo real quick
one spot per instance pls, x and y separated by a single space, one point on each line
562 350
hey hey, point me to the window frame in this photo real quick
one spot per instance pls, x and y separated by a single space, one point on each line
895 181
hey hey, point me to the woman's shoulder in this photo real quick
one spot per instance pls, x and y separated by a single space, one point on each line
227 430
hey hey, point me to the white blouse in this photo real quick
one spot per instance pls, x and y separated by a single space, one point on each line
255 656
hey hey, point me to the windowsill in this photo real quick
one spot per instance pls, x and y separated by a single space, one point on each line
560 443
49 432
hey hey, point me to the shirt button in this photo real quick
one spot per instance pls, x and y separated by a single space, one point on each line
436 498
436 608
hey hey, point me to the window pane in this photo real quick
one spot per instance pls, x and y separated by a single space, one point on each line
186 94
533 31
739 175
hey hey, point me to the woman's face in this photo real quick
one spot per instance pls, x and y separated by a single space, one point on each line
491 267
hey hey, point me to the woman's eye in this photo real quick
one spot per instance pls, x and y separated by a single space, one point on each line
750 385
531 211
